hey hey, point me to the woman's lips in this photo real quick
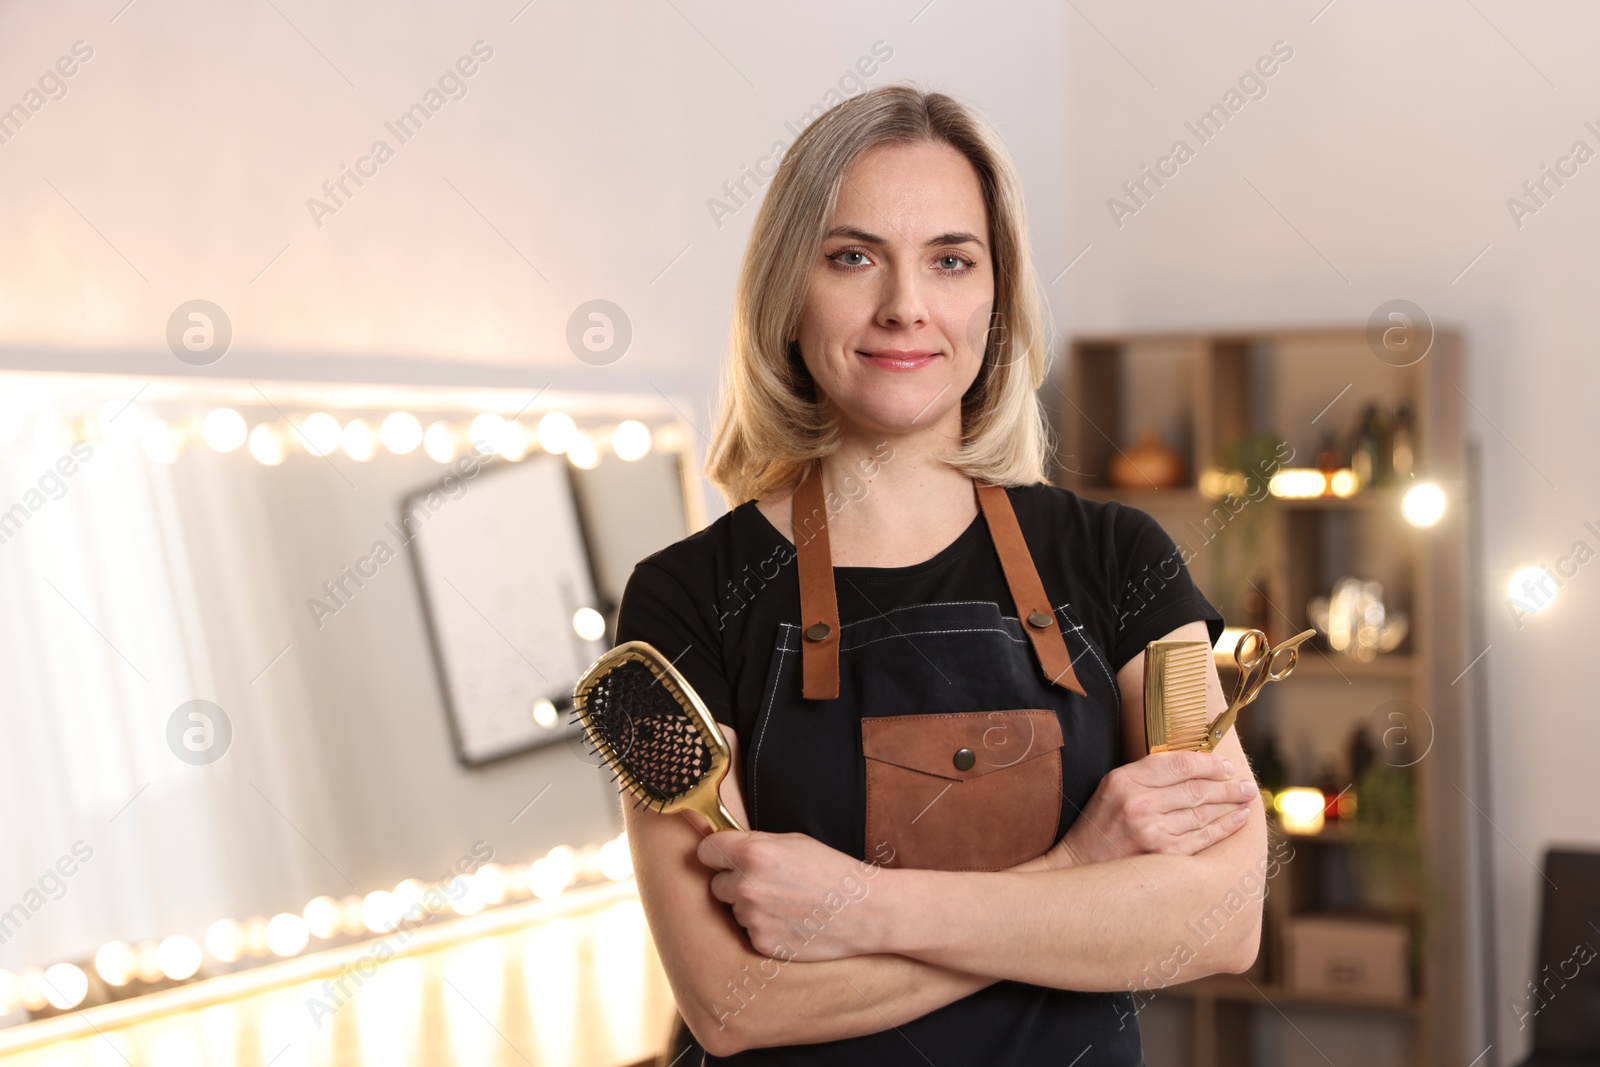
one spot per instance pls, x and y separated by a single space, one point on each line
900 358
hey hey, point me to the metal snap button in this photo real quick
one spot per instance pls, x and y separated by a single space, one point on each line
1038 620
964 759
818 631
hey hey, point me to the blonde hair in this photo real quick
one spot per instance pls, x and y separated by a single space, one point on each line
769 427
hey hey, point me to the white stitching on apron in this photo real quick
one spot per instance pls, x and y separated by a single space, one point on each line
755 764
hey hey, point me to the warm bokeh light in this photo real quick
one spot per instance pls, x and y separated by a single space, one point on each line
544 713
65 985
266 445
1300 809
322 916
1423 504
31 991
582 453
147 964
358 440
669 438
225 940
255 937
630 440
1297 483
1344 482
589 624
484 433
550 875
321 434
555 432
178 957
513 442
1532 589
439 443
115 963
616 862
287 934
401 433
223 430
378 911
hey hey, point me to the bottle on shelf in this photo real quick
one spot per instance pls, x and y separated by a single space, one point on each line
1403 445
1364 448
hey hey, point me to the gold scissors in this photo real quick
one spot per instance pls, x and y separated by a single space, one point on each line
1259 663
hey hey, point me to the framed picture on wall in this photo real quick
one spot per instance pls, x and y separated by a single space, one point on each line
506 578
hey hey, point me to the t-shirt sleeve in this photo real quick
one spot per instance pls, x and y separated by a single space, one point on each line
1154 592
656 608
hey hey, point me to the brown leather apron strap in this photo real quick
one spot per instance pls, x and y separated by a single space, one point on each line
1038 618
819 605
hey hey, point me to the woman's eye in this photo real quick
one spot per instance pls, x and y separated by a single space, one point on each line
955 262
837 256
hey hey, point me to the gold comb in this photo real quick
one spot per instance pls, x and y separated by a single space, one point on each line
653 729
1175 688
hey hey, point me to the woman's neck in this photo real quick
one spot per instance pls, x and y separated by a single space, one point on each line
889 502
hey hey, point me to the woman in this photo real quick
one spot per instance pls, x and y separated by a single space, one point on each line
927 660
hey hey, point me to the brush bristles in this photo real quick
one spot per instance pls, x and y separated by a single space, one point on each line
1182 720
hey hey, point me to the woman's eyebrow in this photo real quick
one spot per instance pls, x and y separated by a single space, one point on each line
955 237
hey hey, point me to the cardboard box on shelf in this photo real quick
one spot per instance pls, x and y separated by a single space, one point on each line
1352 955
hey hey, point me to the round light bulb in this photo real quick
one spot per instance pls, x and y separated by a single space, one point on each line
358 441
555 432
322 917
484 434
581 451
1423 504
225 940
224 429
1531 589
321 433
439 443
287 934
178 957
65 986
266 445
401 433
589 624
630 440
115 962
544 713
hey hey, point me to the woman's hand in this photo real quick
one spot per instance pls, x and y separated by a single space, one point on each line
1177 803
795 897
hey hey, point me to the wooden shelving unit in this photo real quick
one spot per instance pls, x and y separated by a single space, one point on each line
1203 392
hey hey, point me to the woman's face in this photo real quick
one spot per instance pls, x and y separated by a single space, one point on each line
895 320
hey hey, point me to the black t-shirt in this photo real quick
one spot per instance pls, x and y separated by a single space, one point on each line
712 602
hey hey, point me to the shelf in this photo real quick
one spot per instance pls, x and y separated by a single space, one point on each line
1339 667
1238 987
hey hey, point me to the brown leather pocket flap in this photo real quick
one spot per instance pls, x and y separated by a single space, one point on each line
933 743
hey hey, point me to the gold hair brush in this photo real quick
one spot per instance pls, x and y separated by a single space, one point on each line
654 730
1175 688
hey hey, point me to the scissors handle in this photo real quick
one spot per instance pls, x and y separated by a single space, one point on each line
1257 660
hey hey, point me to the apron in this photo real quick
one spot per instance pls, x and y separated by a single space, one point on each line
950 736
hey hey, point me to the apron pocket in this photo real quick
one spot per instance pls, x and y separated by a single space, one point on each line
962 791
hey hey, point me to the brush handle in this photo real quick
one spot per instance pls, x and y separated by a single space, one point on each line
721 819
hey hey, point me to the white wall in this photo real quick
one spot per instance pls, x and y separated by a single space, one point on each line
1391 142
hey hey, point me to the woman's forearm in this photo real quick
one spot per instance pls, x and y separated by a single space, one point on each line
1148 920
773 1002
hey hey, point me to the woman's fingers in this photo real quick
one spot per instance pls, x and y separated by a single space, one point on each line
1174 768
1215 822
1199 791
